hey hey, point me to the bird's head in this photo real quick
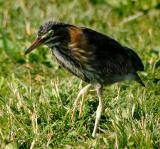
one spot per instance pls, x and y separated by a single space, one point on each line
51 34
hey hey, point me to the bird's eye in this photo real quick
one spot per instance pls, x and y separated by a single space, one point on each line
48 34
51 32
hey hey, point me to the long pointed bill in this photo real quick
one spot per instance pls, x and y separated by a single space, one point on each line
34 45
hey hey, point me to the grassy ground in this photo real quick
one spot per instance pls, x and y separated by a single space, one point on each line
36 95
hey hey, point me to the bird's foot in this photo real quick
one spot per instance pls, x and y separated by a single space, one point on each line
82 94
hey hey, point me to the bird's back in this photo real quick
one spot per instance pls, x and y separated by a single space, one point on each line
110 54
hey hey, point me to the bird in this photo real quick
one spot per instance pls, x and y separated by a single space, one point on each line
94 57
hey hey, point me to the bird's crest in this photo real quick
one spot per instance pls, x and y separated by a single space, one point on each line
48 26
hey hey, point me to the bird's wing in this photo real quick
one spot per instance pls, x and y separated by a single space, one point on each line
109 55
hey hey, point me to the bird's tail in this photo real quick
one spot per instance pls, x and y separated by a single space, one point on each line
136 61
138 79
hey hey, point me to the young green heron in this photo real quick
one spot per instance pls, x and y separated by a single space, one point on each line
94 57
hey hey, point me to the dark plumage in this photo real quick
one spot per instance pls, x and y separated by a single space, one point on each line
90 55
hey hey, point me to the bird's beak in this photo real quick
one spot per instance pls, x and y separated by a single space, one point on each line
34 45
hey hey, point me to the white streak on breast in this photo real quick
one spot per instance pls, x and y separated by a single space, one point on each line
68 64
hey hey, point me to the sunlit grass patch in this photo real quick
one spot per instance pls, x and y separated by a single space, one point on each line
36 95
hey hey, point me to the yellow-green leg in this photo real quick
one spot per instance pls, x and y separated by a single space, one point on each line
82 94
99 109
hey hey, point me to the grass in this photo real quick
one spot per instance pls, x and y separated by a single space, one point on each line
36 95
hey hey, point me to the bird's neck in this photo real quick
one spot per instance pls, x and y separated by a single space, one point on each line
52 46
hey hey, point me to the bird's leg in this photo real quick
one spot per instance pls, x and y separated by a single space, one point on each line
83 98
99 109
82 94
